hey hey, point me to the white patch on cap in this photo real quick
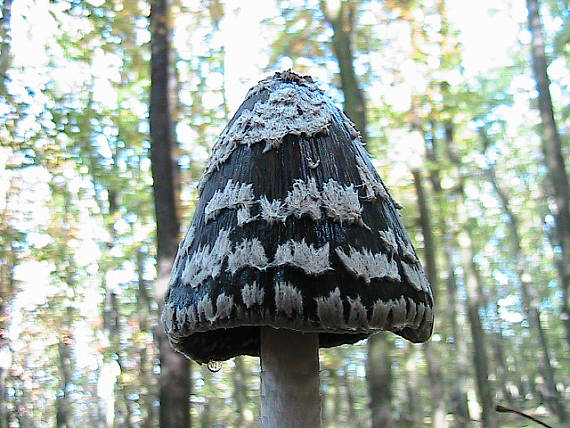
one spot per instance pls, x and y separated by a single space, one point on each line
313 261
274 81
330 310
249 252
188 239
399 313
416 277
371 183
358 317
411 312
304 199
389 240
274 211
341 202
366 265
351 128
380 312
183 248
205 309
408 253
167 318
289 110
224 305
252 294
206 263
234 196
288 299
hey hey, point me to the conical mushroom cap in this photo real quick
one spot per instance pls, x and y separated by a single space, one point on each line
294 229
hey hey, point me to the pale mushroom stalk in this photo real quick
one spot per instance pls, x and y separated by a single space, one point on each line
289 378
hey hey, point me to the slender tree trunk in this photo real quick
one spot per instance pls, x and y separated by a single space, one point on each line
123 410
146 393
63 405
473 293
174 382
432 358
473 299
530 305
497 342
412 412
341 18
240 390
553 156
459 393
379 378
350 399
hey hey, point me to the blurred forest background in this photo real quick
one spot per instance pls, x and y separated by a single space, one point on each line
465 107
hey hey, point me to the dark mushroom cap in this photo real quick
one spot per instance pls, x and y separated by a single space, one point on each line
294 229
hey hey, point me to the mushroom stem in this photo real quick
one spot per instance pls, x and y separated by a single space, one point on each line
289 379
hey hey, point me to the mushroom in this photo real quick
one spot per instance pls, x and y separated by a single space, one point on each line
295 245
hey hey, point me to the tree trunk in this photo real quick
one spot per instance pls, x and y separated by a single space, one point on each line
341 19
473 301
174 382
63 406
147 393
379 378
497 343
240 390
459 393
411 414
473 293
553 156
290 379
350 399
528 298
432 358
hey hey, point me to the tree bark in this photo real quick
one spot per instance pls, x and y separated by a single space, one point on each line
379 378
289 379
63 406
342 21
174 382
350 399
240 389
459 393
458 396
473 301
432 359
530 304
553 156
473 292
497 344
147 395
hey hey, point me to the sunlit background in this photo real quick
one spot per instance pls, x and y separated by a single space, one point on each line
77 250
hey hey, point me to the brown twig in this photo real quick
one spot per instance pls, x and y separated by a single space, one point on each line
503 409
